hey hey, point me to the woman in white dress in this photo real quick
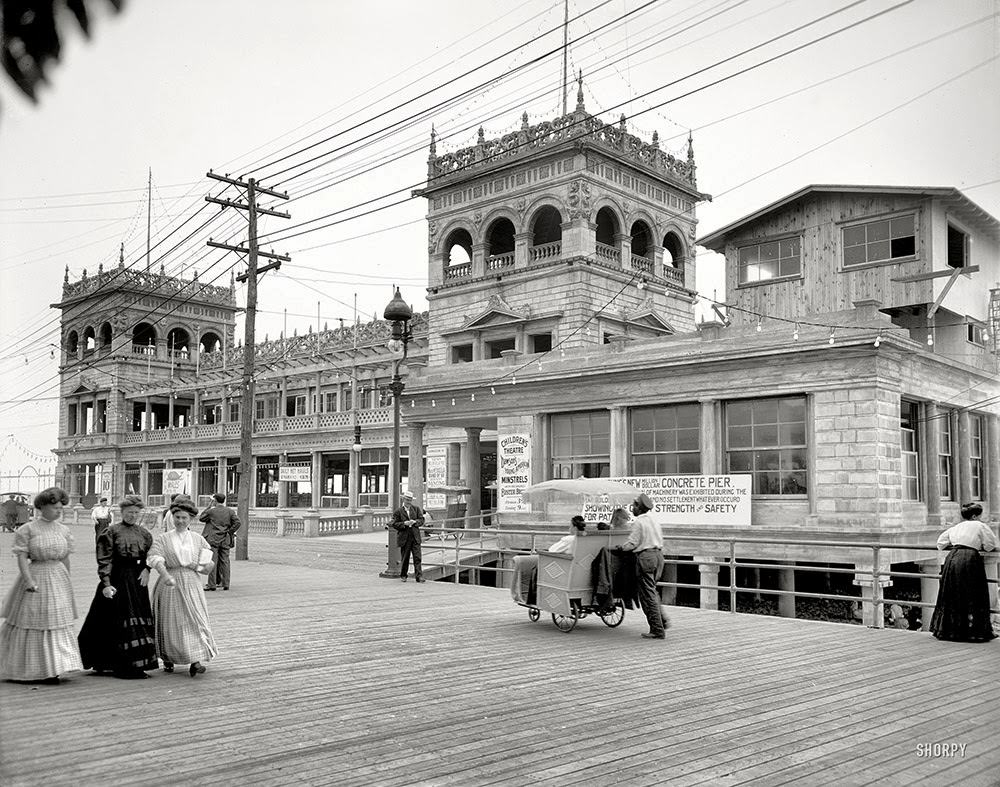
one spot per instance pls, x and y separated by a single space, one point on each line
183 632
38 640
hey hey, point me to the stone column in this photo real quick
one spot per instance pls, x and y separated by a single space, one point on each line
282 485
619 442
522 242
472 470
221 480
93 423
415 479
541 459
786 581
225 407
170 410
657 260
993 466
144 479
931 472
149 414
478 260
283 398
623 242
317 471
711 459
194 491
454 460
196 415
929 590
709 592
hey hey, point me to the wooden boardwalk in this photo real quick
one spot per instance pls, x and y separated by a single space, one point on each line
330 675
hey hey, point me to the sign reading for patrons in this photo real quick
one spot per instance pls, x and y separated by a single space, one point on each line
295 473
513 471
687 499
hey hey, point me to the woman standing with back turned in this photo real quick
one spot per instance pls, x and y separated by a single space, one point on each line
962 612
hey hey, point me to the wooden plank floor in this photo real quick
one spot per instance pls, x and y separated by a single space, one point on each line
330 675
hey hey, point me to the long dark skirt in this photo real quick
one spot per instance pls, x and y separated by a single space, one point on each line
962 613
118 635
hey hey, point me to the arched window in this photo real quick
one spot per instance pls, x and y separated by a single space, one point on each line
144 339
210 343
89 340
673 250
105 336
546 226
72 343
458 247
642 240
500 238
607 226
178 343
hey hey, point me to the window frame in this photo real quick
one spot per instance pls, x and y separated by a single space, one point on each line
909 426
753 449
977 442
966 245
458 352
946 458
867 221
574 464
677 454
777 239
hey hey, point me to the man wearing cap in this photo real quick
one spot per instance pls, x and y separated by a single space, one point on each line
101 514
407 521
646 541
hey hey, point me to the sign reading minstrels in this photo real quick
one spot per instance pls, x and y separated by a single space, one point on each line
685 499
437 475
513 471
295 473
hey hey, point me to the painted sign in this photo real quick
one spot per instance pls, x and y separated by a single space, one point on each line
437 474
513 471
295 473
176 482
686 499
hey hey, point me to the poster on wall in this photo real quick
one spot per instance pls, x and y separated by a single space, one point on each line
176 482
295 473
513 472
436 474
686 499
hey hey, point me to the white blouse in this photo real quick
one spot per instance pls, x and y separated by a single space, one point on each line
968 533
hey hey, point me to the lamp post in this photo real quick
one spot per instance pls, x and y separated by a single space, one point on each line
399 314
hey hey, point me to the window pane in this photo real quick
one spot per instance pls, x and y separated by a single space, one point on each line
768 270
738 413
766 434
748 254
878 230
765 411
665 441
789 247
855 255
688 463
904 247
740 461
901 226
740 437
642 442
768 252
854 236
688 439
878 251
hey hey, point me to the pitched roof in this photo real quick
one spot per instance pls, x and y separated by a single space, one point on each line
949 194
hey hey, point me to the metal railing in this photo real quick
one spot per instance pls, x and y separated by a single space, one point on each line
461 540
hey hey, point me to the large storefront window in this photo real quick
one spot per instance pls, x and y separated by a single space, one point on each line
767 439
300 492
208 479
266 487
373 482
336 473
581 445
909 445
946 460
976 453
666 440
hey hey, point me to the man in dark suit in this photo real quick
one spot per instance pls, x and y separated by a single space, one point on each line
407 521
221 524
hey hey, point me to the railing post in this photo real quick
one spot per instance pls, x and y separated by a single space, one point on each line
311 523
732 575
458 558
367 523
877 611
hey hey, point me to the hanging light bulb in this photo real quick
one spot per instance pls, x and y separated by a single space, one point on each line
513 380
472 398
641 285
493 390
831 335
930 338
433 403
562 352
795 333
539 365
878 339
760 326
453 401
413 403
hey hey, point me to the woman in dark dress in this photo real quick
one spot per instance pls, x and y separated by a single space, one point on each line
962 612
117 635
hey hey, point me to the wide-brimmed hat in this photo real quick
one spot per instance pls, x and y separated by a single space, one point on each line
407 495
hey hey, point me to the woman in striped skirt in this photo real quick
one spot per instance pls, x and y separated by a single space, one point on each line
183 633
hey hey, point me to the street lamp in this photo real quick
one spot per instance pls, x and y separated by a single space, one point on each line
399 314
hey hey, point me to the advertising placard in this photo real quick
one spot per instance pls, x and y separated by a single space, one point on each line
176 482
513 471
686 499
437 475
295 473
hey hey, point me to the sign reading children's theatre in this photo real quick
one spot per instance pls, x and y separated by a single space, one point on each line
687 499
513 471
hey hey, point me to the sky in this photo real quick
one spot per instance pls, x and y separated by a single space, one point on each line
774 97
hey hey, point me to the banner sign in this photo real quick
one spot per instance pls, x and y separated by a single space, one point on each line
295 473
685 499
513 471
437 474
176 482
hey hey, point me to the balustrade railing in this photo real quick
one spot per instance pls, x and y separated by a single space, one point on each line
458 271
643 264
609 253
545 251
673 274
498 261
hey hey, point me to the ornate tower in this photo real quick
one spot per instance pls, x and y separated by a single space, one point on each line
564 233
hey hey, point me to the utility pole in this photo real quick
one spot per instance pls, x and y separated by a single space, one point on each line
252 189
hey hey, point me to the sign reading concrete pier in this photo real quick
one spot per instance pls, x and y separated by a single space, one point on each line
686 499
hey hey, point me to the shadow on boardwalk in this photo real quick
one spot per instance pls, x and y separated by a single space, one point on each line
334 676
